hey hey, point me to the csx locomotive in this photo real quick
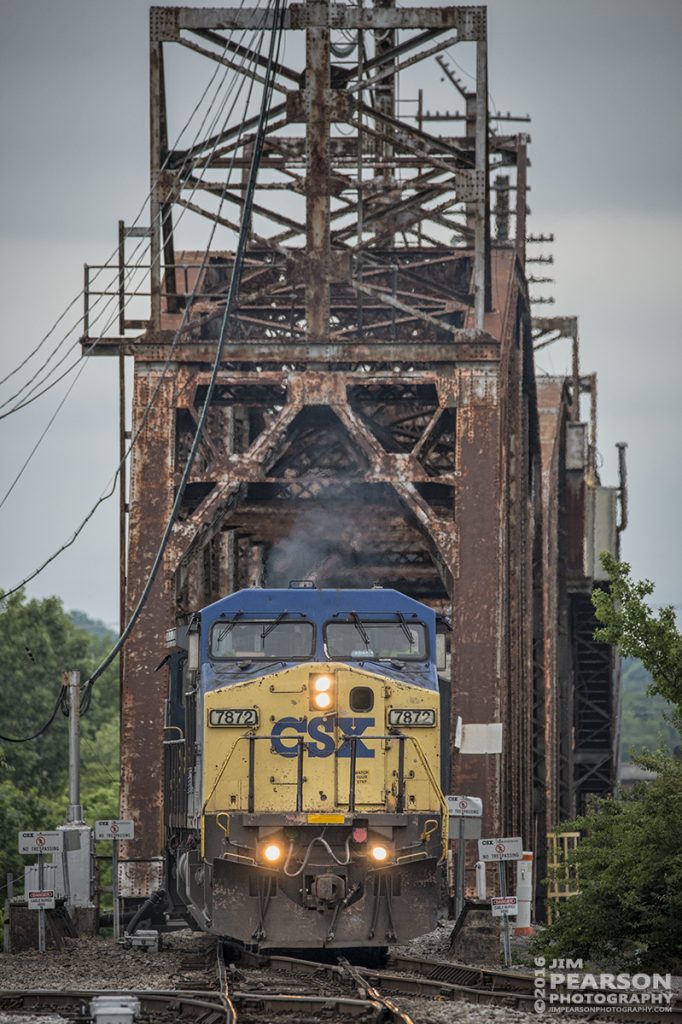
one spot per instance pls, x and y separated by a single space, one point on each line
303 800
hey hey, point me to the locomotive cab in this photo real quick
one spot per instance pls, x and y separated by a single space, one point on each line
302 798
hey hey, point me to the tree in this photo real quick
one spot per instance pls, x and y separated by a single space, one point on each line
631 625
38 641
629 861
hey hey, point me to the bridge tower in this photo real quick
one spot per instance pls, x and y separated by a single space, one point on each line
376 417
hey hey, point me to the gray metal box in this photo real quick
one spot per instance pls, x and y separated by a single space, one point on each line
52 878
576 445
78 880
601 533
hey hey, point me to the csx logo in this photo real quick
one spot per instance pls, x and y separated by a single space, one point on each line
321 732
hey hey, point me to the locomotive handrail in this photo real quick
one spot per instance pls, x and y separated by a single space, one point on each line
182 738
427 768
439 793
400 737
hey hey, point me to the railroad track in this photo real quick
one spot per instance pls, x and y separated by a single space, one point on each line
331 982
74 1003
238 987
227 1006
407 976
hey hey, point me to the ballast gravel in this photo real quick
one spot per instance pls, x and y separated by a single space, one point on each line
28 1018
101 964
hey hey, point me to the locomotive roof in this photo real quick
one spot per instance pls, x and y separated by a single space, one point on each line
316 603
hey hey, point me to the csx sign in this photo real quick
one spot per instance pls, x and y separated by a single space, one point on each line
322 742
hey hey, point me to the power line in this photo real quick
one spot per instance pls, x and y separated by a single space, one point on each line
73 302
51 420
82 362
180 330
270 74
112 298
43 728
106 266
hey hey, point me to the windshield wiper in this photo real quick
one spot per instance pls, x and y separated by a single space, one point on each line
405 628
355 619
229 627
267 630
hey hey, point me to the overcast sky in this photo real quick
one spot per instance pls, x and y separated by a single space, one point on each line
602 82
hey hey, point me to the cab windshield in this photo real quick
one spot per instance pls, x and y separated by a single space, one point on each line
361 640
265 639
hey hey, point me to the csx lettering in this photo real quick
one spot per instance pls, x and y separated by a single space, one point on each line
286 731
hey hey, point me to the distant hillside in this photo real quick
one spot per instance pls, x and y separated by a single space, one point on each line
94 626
643 724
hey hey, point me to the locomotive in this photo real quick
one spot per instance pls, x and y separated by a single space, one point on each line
303 804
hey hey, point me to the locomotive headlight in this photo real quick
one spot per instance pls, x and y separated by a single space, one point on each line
321 691
380 853
272 853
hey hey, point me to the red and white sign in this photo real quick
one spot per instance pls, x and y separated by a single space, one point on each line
504 906
41 899
500 849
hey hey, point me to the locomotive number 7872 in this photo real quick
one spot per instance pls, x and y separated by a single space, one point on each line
405 716
225 717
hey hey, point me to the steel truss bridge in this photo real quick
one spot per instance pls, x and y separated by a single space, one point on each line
377 406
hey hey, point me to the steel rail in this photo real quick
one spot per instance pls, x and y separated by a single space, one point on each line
222 970
205 1010
462 974
421 978
435 979
183 1003
384 1009
392 1012
443 980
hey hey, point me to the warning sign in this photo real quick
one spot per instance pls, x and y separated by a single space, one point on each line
465 806
114 829
500 849
41 842
41 899
504 906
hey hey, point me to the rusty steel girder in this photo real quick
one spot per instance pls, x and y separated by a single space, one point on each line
375 418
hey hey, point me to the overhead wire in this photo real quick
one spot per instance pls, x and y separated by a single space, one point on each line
82 361
180 330
236 274
235 279
106 265
43 728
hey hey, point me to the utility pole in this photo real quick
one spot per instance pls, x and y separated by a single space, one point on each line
78 856
74 814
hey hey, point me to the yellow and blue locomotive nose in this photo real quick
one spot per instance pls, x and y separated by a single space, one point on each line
322 813
323 716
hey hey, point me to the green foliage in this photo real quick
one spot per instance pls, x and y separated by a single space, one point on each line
38 641
629 909
631 625
645 717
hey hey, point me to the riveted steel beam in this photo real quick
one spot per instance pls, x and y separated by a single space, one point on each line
368 378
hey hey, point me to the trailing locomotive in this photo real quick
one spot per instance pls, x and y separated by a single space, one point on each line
302 803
